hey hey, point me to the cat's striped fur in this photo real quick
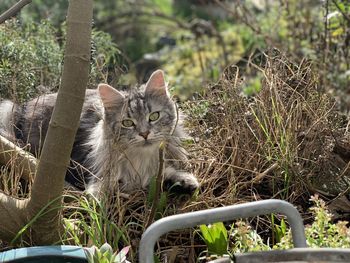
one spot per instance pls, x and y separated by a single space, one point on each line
108 155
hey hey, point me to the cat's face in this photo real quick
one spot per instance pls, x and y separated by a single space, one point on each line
141 117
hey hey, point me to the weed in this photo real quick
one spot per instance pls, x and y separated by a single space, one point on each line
279 231
322 232
215 236
244 239
90 224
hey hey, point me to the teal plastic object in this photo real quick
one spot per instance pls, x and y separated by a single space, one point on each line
45 254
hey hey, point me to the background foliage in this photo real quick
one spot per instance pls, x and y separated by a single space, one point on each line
272 125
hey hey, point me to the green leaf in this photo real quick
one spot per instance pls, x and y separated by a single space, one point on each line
97 256
121 257
165 6
106 248
90 253
206 234
283 226
215 236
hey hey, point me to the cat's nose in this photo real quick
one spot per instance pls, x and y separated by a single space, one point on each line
144 134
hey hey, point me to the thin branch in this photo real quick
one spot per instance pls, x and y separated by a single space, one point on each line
260 176
12 11
243 18
326 34
341 11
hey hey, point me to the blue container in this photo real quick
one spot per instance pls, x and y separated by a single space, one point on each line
45 254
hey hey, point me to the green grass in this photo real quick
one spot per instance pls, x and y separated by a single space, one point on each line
90 224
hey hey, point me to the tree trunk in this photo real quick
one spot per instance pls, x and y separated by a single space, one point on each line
42 210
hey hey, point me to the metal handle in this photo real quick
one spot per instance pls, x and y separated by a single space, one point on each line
186 220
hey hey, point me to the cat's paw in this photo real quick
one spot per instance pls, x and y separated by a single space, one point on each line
181 183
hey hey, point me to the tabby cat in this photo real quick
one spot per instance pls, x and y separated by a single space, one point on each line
118 139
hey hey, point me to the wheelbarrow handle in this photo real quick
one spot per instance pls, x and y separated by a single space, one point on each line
209 216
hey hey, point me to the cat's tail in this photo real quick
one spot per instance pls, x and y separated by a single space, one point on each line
7 116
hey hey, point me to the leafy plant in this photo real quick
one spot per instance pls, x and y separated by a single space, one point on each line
244 238
194 61
107 62
89 223
30 57
215 236
322 232
279 231
105 254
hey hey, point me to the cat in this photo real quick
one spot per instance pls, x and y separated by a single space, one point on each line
118 139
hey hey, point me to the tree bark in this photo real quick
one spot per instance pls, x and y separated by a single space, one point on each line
42 209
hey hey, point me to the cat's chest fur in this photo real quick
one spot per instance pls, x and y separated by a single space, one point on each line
127 169
138 166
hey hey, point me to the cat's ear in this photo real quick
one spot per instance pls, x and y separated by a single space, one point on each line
110 96
156 84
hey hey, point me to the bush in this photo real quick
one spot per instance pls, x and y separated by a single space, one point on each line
322 232
30 58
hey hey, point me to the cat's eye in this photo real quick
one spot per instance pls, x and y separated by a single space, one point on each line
154 116
127 123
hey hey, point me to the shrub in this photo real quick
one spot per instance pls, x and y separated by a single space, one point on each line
30 58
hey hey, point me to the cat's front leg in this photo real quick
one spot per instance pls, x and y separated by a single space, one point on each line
180 181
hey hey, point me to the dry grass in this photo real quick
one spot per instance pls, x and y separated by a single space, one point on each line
285 142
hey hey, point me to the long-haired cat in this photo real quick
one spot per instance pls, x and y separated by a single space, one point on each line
118 139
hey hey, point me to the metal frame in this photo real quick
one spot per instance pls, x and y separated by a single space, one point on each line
330 255
186 220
